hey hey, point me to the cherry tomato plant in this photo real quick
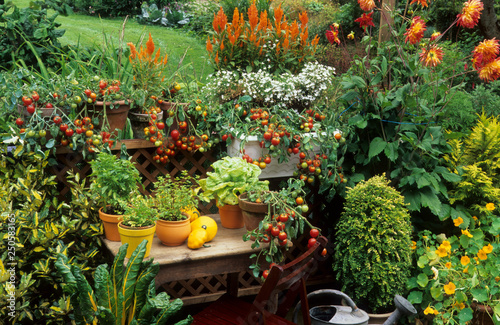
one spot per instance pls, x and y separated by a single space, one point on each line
286 220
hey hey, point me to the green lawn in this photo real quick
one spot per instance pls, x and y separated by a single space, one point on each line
88 30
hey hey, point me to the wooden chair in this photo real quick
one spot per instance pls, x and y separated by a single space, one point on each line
276 297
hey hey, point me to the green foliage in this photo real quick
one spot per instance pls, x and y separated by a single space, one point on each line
372 255
459 115
108 8
122 295
29 36
114 181
39 227
486 98
203 15
173 196
476 159
140 212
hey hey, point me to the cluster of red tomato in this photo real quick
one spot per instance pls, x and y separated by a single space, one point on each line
314 233
105 89
93 141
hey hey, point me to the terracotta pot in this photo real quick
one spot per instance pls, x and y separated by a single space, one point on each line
134 236
481 314
110 223
141 121
231 216
173 233
253 213
116 114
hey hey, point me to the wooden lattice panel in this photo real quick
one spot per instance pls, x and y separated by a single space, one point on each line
206 289
142 153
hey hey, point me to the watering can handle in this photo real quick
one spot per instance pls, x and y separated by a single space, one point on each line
332 292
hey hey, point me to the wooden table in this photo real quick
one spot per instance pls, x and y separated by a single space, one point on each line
227 254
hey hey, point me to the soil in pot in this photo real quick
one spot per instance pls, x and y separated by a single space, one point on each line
231 216
110 223
134 236
173 233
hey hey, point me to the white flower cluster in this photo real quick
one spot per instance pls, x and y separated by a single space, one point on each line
264 87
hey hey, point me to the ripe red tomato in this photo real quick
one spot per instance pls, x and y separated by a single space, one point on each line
35 96
31 108
275 231
302 155
295 150
69 132
57 119
175 134
284 217
224 137
282 235
265 274
283 242
27 101
338 136
267 160
160 125
314 232
103 84
275 141
49 105
311 242
79 130
19 121
87 92
267 136
63 127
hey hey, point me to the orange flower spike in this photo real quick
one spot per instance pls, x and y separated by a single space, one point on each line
150 46
236 18
471 11
157 57
165 59
133 51
304 36
221 46
263 21
210 48
303 18
220 21
253 16
286 43
216 57
278 15
294 30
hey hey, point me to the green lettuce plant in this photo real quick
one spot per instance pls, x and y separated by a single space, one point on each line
231 177
122 294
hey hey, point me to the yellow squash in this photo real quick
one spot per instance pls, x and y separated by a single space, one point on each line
192 213
203 230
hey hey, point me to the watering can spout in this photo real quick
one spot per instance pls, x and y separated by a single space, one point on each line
403 308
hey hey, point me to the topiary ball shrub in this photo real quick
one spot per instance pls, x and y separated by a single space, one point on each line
372 256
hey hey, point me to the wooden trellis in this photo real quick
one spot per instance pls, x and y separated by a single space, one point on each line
142 153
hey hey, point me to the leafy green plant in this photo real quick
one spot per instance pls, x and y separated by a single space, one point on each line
114 181
122 295
28 35
39 227
456 272
108 8
372 255
486 97
173 196
231 177
140 212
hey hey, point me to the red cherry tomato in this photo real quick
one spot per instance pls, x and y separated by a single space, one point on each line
311 242
31 109
19 121
314 233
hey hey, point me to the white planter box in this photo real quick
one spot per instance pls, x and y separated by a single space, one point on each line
272 170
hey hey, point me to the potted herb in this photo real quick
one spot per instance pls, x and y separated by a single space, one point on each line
173 200
372 254
231 177
114 183
138 223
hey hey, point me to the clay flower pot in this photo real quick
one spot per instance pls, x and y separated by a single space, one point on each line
173 233
110 223
116 113
253 213
231 216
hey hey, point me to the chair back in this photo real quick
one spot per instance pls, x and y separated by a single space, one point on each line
284 283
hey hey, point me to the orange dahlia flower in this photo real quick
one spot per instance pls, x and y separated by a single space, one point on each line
431 56
471 11
416 31
366 5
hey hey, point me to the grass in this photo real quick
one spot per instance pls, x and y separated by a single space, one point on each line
88 31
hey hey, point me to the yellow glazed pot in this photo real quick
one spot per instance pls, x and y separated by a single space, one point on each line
134 236
173 233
